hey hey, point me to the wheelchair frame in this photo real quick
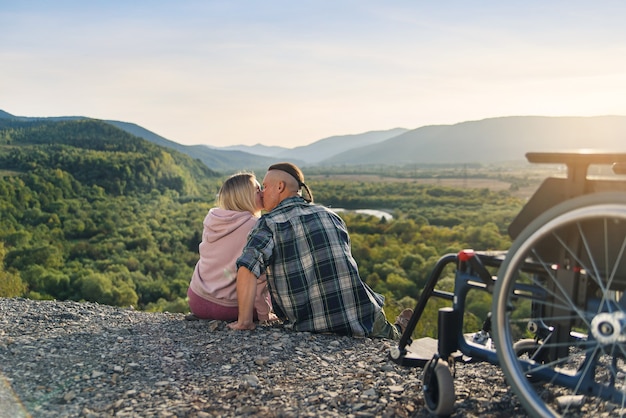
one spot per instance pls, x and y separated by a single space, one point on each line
558 317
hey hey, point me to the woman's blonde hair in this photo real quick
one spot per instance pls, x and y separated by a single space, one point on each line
238 193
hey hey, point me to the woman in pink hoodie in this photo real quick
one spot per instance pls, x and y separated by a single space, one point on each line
212 292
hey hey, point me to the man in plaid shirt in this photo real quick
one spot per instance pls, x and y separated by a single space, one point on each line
312 276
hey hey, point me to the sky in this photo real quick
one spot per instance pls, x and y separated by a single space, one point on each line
291 72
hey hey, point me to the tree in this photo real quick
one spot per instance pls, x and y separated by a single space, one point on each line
10 282
400 286
97 287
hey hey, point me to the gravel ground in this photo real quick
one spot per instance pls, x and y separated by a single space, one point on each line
69 359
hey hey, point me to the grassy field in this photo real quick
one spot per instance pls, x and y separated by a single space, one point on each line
9 173
460 182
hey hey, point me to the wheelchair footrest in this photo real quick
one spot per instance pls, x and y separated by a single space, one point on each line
423 349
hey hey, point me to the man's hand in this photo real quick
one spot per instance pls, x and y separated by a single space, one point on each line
272 319
242 326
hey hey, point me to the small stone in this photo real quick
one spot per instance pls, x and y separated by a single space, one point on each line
69 396
261 360
251 379
370 393
358 406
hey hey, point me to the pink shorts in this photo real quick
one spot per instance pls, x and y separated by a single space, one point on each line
205 309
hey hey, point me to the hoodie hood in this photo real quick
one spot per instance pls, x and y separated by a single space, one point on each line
221 222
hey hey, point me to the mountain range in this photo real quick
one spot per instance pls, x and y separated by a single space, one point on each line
493 140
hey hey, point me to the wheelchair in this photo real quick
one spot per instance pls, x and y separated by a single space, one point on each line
557 326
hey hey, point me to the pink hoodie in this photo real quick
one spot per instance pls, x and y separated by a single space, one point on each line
224 235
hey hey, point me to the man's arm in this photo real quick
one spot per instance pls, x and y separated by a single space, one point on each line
246 294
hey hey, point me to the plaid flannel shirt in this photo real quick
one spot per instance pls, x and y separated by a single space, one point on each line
313 278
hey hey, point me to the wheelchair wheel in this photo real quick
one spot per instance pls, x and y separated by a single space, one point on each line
562 284
438 388
526 347
529 349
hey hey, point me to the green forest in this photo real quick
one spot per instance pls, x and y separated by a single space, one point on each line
89 212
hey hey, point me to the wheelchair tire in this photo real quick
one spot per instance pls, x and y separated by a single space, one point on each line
567 268
527 347
438 388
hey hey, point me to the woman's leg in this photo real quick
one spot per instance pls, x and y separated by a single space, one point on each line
205 309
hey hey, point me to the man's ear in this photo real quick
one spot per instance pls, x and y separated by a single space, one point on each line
281 186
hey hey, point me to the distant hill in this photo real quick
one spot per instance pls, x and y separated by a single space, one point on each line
5 115
329 147
258 149
491 140
322 149
96 153
215 159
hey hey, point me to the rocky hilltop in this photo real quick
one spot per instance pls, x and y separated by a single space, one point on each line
69 359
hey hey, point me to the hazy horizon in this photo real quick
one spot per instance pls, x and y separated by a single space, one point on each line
287 74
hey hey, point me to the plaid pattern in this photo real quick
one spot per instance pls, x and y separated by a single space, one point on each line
312 276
